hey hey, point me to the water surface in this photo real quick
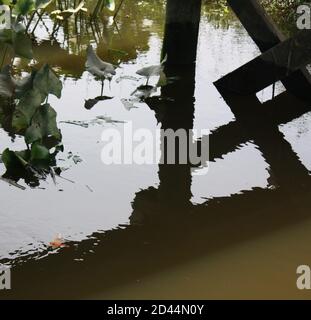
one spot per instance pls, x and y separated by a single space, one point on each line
149 231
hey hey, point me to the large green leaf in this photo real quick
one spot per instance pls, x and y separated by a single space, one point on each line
14 159
46 81
19 41
22 45
26 109
43 125
39 153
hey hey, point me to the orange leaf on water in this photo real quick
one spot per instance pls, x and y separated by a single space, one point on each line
58 242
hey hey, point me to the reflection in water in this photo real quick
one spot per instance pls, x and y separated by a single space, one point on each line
174 109
63 43
24 111
165 228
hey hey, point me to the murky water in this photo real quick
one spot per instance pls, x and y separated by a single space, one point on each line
149 231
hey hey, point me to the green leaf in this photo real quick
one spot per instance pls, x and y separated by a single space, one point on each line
22 45
24 85
7 84
43 125
23 7
39 153
6 36
18 40
14 159
26 109
46 81
6 2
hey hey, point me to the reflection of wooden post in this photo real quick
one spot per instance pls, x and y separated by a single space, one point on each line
181 31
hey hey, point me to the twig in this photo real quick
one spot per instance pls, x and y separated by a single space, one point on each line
39 19
12 183
30 20
118 9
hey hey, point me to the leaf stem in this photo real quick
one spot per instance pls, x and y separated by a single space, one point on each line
30 20
4 55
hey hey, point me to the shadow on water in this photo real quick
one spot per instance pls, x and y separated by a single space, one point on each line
166 228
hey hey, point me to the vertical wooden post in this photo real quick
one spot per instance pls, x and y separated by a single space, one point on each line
266 35
258 24
181 31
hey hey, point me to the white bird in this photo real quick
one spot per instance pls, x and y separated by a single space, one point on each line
151 71
99 68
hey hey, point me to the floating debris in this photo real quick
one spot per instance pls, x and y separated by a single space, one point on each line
99 120
58 242
77 123
12 183
76 159
52 173
118 80
71 181
129 103
109 119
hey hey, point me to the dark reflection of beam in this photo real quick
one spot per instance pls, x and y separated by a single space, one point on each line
127 256
227 138
260 122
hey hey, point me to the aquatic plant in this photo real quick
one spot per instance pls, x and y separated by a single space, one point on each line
25 112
